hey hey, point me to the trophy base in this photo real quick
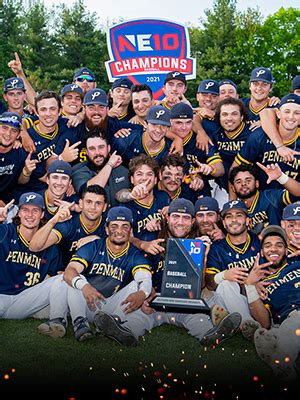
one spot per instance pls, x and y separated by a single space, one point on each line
185 306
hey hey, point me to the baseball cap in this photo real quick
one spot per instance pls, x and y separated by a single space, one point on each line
261 74
11 119
95 96
32 198
228 82
72 87
84 72
122 82
175 75
119 213
14 84
181 111
206 203
234 205
60 167
290 98
158 115
209 86
183 206
273 230
291 212
296 82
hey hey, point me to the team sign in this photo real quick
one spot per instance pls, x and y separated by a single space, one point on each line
146 50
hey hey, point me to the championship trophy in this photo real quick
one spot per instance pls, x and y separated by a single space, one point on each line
182 278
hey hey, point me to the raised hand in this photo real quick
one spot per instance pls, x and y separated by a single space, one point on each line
70 153
4 210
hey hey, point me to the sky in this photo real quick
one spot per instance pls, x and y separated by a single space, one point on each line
181 11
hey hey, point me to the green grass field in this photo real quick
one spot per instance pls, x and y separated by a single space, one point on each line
167 364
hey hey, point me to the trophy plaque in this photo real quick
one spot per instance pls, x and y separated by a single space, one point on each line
182 278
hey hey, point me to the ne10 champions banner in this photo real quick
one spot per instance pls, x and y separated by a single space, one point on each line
146 50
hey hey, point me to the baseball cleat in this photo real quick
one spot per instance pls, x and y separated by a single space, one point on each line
248 329
217 314
56 328
267 349
82 329
227 328
111 326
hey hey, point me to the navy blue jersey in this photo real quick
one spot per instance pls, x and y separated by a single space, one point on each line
143 213
11 165
259 147
266 208
50 211
46 145
253 114
106 271
22 268
134 144
210 125
291 250
224 254
283 291
2 107
69 232
184 192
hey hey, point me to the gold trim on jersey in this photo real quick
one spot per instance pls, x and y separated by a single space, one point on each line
256 112
240 160
45 135
235 133
188 138
47 204
22 238
237 249
175 196
145 205
116 255
80 260
212 271
85 228
292 249
165 105
286 197
58 234
254 203
149 152
276 274
141 267
293 140
122 116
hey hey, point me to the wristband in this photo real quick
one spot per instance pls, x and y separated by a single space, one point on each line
219 277
79 282
281 145
110 164
282 179
252 293
27 175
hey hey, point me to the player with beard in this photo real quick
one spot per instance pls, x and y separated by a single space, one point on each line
273 295
208 218
101 168
90 221
264 206
230 259
179 224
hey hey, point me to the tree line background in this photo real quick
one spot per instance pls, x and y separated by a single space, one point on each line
54 42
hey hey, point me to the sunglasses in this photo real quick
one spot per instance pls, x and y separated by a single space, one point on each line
85 78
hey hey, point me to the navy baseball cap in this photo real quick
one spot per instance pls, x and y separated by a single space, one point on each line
261 74
209 86
206 203
122 82
296 82
234 205
60 167
175 75
11 119
84 72
95 96
228 82
119 213
181 111
183 206
14 84
158 115
32 198
72 87
273 230
290 98
291 212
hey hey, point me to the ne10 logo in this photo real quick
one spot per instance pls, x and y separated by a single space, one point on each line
146 50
